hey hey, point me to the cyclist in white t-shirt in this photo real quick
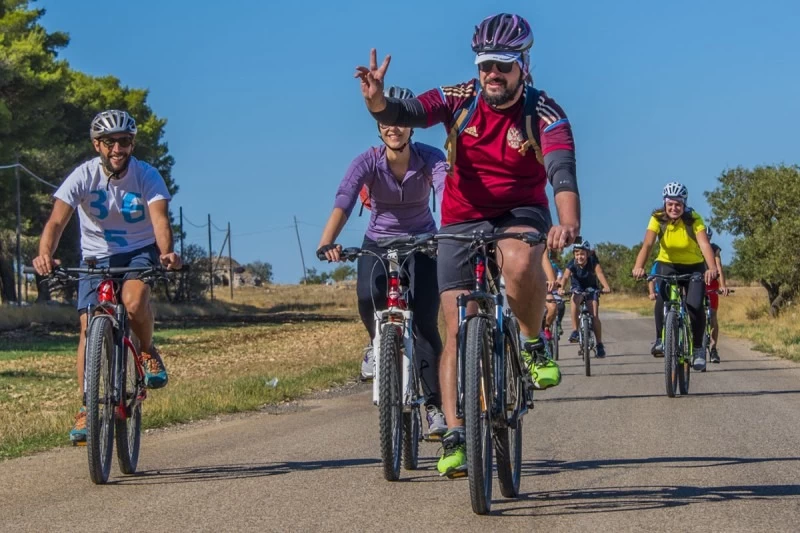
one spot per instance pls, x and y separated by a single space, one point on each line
122 206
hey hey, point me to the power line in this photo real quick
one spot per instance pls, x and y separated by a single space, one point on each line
31 174
185 219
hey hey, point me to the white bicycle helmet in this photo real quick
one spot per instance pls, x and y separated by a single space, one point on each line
398 92
583 245
112 121
676 191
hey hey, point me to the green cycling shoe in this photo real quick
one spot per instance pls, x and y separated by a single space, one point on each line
544 371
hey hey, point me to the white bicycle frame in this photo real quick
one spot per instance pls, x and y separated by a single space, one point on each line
404 319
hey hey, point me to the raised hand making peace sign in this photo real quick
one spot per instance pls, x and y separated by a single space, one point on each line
372 81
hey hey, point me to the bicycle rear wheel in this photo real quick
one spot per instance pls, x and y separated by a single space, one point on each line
685 360
586 330
477 419
508 440
412 431
99 404
671 352
128 431
390 410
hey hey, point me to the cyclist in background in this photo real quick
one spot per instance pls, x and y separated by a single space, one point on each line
585 272
713 298
506 140
683 249
399 176
554 303
123 210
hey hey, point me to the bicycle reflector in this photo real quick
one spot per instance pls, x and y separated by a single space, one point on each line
393 299
480 272
105 291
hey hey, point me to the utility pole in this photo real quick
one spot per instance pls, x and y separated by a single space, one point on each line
210 259
182 286
230 260
19 231
302 261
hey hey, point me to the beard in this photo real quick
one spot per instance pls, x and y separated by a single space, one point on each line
505 96
110 167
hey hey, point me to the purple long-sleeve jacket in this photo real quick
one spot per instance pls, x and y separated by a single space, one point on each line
398 208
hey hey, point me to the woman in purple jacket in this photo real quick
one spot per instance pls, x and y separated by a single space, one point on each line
400 177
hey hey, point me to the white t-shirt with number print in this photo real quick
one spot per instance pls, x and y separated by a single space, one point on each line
112 213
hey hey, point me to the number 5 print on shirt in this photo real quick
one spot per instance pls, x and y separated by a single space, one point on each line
115 236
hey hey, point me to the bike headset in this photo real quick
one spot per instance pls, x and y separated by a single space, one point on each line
399 93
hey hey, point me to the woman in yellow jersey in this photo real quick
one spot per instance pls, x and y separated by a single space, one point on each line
683 249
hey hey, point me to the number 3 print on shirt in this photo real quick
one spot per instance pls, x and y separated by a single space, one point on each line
99 204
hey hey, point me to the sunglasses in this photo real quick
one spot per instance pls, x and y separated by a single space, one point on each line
504 68
124 142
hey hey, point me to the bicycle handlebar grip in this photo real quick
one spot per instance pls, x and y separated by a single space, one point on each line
28 270
350 254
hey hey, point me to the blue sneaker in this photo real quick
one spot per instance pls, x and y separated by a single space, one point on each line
601 351
155 373
78 432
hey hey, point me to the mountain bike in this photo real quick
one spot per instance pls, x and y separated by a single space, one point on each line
676 335
707 332
494 390
113 369
587 344
396 386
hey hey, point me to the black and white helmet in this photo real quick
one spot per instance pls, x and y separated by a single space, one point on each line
112 121
676 191
398 92
583 245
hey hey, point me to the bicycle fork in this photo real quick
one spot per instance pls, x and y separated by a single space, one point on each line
389 318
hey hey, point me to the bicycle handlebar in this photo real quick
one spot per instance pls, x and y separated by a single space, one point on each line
63 272
675 277
481 237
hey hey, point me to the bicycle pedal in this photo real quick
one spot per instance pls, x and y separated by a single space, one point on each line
81 443
432 438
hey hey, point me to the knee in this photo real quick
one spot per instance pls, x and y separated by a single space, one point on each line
136 301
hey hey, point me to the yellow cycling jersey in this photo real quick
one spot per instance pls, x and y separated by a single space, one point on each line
676 246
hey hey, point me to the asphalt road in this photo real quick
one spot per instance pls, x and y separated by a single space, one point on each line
605 453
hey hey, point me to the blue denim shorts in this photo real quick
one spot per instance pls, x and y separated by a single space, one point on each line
87 286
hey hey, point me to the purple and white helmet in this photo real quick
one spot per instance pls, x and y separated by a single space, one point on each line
502 33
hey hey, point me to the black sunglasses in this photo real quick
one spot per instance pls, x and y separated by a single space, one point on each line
504 68
124 142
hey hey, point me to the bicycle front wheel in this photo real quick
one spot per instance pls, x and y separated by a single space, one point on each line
671 352
685 361
586 331
99 404
390 411
508 440
128 431
412 432
477 417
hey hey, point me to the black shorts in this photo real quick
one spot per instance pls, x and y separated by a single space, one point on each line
453 266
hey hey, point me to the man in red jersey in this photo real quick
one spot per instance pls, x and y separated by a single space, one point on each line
506 140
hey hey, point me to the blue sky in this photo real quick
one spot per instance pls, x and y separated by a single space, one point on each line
264 115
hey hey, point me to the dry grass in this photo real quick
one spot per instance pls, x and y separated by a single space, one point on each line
743 314
221 367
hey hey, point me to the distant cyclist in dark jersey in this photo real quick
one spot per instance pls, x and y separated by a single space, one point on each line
514 141
584 272
399 176
718 284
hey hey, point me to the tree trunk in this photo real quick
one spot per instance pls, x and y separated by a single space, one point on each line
774 296
8 290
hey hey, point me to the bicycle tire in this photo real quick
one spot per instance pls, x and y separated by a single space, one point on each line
508 440
412 431
477 402
685 362
706 344
671 352
554 341
128 431
390 406
585 342
99 414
